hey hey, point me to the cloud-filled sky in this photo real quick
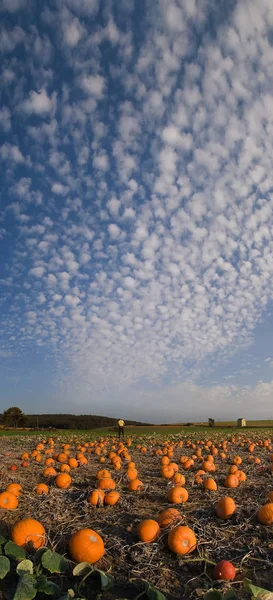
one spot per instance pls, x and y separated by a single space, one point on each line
136 227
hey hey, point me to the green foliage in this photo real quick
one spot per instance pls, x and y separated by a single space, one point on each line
48 587
54 562
216 595
106 581
257 592
25 566
2 540
4 566
153 593
13 417
82 569
14 551
26 588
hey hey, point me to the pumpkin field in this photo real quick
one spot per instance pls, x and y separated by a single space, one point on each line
154 517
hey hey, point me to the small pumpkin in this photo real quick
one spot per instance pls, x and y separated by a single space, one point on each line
224 571
225 507
178 495
169 516
182 540
96 498
111 498
8 501
265 514
28 532
41 489
148 531
106 484
210 484
63 480
86 545
15 488
135 486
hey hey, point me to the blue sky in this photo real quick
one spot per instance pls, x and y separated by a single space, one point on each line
136 207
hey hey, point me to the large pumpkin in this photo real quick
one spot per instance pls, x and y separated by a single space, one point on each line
28 532
182 540
86 545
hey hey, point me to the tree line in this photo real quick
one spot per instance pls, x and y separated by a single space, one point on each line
14 417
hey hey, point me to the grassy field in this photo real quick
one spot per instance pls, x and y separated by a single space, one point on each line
224 427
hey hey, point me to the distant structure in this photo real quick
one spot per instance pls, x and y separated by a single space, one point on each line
211 422
241 423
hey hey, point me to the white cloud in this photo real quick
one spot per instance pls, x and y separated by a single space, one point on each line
93 85
11 152
12 5
37 271
150 260
40 103
5 122
73 32
59 189
101 162
114 231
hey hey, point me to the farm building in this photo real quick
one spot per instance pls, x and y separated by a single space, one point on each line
241 423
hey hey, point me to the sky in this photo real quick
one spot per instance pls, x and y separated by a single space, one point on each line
136 225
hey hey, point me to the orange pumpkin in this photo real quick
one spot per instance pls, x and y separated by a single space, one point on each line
64 468
73 463
8 501
63 480
168 517
167 472
41 488
86 545
111 498
225 507
49 472
96 498
182 540
135 486
210 484
131 474
179 479
231 481
148 531
178 495
28 532
265 514
15 488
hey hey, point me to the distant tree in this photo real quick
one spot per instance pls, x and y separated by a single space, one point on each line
13 417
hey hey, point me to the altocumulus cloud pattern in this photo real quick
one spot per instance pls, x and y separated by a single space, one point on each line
136 190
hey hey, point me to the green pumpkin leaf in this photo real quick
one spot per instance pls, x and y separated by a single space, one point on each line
82 568
4 566
47 587
54 562
39 553
2 540
26 588
153 593
14 551
213 595
25 566
106 581
257 592
230 595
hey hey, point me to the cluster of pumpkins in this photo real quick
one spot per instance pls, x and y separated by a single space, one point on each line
86 544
